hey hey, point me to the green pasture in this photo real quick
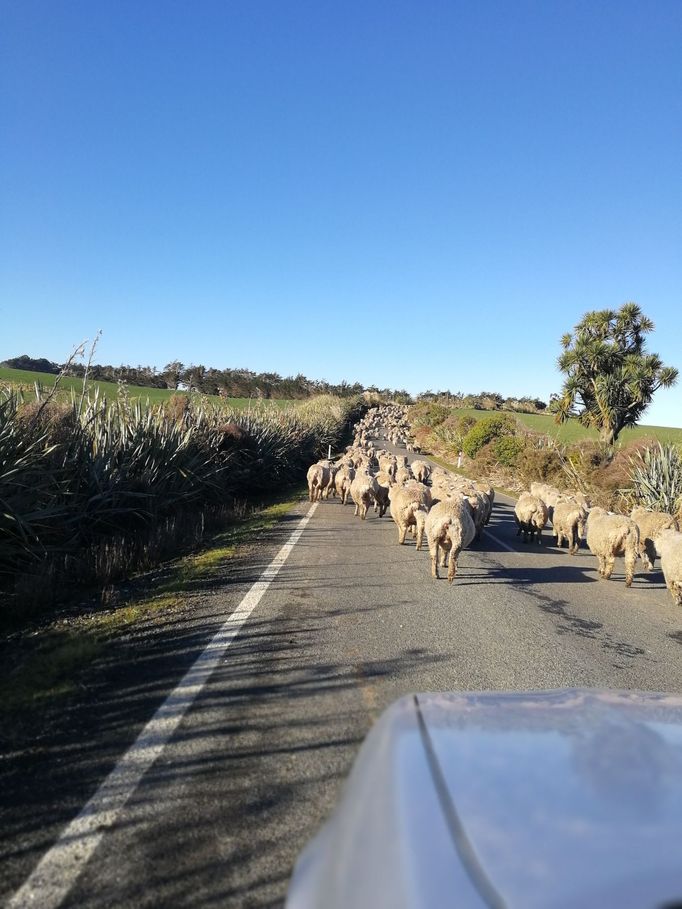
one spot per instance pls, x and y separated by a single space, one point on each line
572 431
26 380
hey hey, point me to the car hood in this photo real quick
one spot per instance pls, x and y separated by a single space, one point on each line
532 799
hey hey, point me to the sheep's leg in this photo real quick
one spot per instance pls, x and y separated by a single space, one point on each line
357 509
649 555
539 533
452 568
609 562
402 531
434 560
630 562
573 541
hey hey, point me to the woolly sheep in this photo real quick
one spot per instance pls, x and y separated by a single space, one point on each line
342 482
362 491
570 517
531 516
381 501
402 475
449 527
319 476
409 507
650 524
610 535
421 470
669 547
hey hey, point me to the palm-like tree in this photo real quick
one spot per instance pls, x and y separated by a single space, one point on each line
610 377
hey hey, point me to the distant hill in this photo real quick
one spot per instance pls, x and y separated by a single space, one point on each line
33 365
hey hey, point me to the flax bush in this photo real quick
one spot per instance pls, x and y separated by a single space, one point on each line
99 488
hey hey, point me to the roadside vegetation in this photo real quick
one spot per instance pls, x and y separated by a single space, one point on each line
44 664
96 489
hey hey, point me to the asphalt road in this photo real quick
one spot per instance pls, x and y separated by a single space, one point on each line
352 622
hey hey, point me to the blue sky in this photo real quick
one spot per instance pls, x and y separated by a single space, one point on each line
422 195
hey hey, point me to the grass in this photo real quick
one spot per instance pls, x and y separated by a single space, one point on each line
27 380
572 431
46 666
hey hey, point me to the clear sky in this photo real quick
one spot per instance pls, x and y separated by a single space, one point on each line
421 195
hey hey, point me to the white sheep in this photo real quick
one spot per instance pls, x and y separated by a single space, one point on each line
449 528
319 476
342 482
669 547
650 524
362 491
531 516
569 520
409 506
421 470
610 535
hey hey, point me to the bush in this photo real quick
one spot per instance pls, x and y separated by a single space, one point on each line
485 431
656 474
507 450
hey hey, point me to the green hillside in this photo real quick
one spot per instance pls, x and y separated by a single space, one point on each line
572 431
27 380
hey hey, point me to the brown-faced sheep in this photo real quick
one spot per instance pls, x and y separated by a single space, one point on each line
449 528
610 535
531 516
669 547
650 524
409 506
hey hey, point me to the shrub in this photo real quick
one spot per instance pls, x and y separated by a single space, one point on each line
507 450
656 474
485 431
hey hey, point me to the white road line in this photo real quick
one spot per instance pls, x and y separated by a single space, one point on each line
56 873
499 541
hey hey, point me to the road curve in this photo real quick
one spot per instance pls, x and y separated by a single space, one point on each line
352 621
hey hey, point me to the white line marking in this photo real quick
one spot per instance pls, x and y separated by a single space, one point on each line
499 541
56 873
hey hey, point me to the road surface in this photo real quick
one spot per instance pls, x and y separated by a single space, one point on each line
351 622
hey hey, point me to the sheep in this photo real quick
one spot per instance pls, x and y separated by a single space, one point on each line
381 501
549 495
449 527
387 463
342 482
610 535
669 547
650 524
403 475
531 516
319 476
409 507
362 491
421 470
570 517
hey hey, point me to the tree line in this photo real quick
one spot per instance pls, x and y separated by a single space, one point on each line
228 383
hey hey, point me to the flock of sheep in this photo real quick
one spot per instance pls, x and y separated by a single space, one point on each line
452 510
644 534
422 499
